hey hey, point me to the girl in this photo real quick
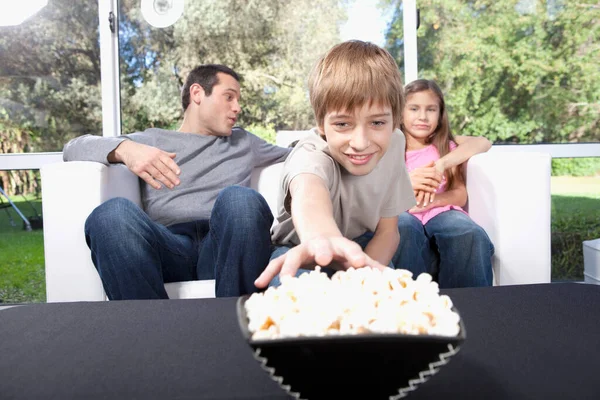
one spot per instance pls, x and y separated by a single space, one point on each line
437 236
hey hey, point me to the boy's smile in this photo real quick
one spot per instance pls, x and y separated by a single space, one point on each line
357 140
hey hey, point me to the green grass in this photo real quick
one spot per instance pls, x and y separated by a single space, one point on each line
575 218
22 277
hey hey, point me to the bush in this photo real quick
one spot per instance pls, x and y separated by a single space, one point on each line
267 133
576 166
574 219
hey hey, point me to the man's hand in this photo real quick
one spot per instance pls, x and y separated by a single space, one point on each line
149 163
321 251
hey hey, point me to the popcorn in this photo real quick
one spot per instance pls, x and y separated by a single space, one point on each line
352 302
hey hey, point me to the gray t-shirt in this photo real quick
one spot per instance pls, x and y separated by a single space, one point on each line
208 164
359 202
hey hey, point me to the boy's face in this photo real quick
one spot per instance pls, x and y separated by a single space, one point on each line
218 112
358 139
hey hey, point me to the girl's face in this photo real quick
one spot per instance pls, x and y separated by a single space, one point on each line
421 115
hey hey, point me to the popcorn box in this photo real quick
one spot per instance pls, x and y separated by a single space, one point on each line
362 334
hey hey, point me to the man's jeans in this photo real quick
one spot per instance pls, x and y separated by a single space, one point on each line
136 256
451 247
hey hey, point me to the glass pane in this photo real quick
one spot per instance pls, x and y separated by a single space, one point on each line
575 213
21 238
516 71
50 78
272 44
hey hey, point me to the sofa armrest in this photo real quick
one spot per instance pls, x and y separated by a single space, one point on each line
265 180
509 196
70 192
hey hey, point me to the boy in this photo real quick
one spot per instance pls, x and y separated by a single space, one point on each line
344 187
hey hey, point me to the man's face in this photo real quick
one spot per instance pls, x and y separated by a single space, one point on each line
218 112
358 139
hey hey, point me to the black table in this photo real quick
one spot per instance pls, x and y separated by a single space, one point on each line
523 342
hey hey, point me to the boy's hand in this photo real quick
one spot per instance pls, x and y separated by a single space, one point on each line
321 251
149 163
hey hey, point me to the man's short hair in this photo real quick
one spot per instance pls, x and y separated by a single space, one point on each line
352 74
205 76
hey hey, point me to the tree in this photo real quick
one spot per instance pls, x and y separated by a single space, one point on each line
272 44
514 71
50 74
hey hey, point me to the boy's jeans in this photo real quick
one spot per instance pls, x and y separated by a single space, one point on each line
136 256
451 247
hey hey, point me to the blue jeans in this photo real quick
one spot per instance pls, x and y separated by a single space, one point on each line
278 250
451 247
136 256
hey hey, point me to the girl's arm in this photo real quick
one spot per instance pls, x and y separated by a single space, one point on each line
467 147
384 243
457 196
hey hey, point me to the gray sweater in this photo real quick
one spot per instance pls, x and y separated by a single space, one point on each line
208 164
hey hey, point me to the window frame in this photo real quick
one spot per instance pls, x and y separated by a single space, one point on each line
111 100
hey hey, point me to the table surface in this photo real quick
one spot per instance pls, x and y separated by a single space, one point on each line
523 342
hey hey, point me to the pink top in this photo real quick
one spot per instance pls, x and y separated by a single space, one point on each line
419 158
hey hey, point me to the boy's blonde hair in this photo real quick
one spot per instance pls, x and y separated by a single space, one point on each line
352 74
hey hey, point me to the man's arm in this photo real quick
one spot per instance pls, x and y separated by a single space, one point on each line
321 240
91 148
266 153
149 163
384 243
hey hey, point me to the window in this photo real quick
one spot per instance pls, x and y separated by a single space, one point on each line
50 78
49 93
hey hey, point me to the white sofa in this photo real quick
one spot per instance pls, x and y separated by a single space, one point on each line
509 196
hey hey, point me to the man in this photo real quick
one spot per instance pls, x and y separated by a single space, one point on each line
200 219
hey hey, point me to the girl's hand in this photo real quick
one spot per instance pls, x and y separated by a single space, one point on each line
427 178
423 198
425 207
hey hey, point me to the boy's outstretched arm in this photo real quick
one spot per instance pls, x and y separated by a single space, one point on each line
321 242
311 208
384 243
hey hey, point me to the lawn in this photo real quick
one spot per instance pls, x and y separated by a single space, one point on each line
21 256
575 217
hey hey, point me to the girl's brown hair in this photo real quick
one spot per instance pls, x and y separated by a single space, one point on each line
442 135
352 74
